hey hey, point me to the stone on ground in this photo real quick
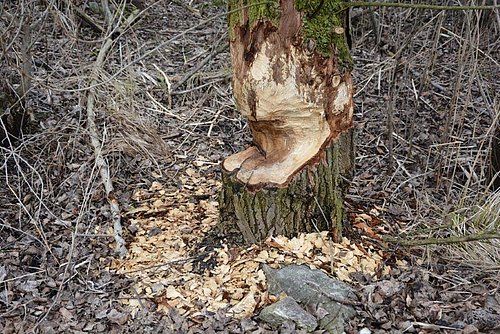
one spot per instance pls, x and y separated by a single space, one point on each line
314 289
287 309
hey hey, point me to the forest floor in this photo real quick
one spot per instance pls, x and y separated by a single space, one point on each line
166 120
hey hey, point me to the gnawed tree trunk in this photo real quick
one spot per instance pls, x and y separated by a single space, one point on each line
292 82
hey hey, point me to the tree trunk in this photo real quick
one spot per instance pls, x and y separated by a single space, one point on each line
495 160
13 109
292 82
11 118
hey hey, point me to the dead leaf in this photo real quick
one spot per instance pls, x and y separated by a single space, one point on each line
367 229
117 317
65 313
271 242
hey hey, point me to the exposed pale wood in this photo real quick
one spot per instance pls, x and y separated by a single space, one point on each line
296 101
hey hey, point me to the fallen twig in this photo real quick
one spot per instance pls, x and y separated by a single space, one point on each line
219 48
89 21
101 163
434 327
84 17
443 241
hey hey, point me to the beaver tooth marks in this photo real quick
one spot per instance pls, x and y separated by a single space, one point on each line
285 98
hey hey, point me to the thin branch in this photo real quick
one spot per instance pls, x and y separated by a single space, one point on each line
418 6
156 49
101 163
83 16
216 50
443 241
107 12
87 19
21 232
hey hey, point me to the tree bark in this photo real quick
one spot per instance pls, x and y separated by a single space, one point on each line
292 82
495 160
13 107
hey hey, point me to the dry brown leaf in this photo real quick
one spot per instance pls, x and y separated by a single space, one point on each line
66 313
367 229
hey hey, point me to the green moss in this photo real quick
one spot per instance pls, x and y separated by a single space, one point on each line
320 19
257 10
338 216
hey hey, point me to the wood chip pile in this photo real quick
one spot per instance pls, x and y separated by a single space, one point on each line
169 227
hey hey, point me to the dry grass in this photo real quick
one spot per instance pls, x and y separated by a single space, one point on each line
428 102
485 254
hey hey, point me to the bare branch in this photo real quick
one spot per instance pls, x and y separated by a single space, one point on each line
101 163
444 241
418 6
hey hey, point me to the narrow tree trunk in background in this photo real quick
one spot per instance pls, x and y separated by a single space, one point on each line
292 82
13 106
11 115
495 160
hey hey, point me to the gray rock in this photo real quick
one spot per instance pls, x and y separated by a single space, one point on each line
288 309
315 289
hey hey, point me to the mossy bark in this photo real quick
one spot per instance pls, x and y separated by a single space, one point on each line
292 82
313 201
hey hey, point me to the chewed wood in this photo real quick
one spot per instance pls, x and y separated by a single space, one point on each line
296 100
